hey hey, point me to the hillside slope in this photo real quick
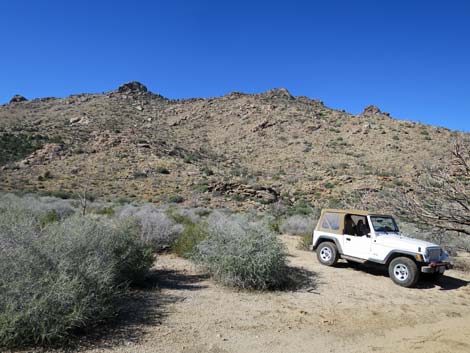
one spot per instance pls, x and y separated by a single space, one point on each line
240 150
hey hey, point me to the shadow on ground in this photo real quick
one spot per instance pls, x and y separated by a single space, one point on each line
176 280
300 279
144 307
444 283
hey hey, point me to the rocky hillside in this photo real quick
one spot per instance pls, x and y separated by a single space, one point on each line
239 150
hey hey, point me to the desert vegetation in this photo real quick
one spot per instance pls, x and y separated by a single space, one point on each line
442 196
242 252
62 272
64 275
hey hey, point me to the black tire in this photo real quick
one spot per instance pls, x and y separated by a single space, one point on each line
403 271
327 253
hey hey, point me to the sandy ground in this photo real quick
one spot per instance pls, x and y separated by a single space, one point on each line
341 309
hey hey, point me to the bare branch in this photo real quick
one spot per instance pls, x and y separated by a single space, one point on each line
441 198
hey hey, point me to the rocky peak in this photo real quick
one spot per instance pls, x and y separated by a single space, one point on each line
18 98
371 110
132 87
278 93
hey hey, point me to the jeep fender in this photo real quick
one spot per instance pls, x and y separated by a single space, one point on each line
396 253
328 238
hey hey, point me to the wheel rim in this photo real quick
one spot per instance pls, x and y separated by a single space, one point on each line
401 272
326 254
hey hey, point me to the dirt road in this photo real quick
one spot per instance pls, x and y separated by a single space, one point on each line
343 309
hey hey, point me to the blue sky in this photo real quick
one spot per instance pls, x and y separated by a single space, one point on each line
410 58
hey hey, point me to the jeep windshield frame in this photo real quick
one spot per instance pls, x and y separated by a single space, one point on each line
384 224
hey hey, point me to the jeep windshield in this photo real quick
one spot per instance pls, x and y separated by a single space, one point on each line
384 224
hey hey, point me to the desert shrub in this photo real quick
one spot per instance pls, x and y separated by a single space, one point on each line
274 224
39 206
65 277
162 170
195 229
301 207
297 225
179 217
176 199
242 253
157 229
103 211
207 171
121 200
305 242
17 146
47 218
192 235
61 194
188 215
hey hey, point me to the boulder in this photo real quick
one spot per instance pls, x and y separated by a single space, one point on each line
17 99
263 194
278 93
132 87
371 110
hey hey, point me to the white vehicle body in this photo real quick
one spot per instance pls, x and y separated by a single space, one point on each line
362 237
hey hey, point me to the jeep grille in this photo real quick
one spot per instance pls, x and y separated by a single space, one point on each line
434 254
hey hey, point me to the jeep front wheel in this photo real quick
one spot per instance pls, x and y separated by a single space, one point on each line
327 253
403 271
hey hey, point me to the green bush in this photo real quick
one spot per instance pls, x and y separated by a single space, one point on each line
192 235
242 253
302 207
176 199
65 277
49 217
105 211
162 170
274 224
61 194
305 242
15 147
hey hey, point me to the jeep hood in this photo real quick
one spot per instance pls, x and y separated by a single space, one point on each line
398 241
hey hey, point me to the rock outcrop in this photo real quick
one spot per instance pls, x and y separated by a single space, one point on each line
17 99
263 194
132 87
278 93
371 110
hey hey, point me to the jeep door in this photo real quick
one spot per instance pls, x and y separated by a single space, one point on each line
356 241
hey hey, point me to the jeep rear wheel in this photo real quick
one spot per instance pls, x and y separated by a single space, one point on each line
327 253
403 271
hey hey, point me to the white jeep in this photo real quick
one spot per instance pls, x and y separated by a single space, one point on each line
359 237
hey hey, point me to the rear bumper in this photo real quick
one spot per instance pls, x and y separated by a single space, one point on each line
434 267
